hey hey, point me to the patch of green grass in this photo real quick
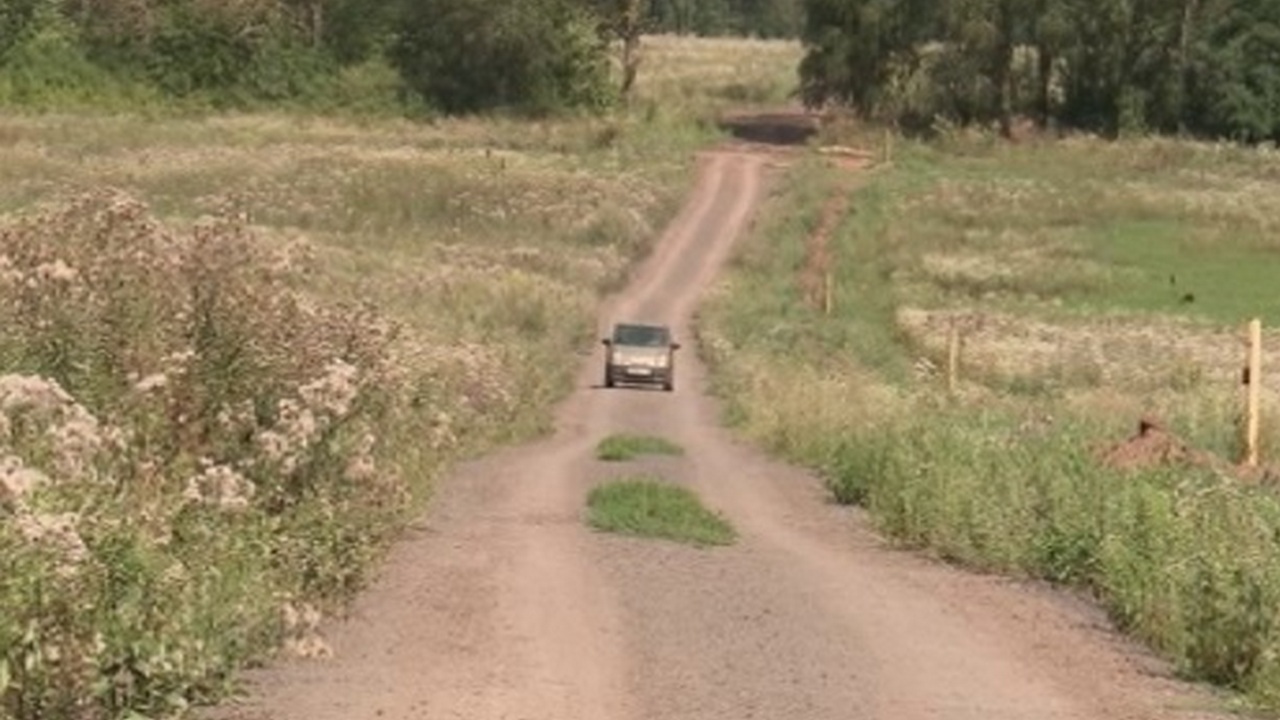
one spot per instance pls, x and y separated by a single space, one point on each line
621 447
649 507
1019 228
1163 267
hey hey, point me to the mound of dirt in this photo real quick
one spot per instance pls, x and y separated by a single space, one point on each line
1154 446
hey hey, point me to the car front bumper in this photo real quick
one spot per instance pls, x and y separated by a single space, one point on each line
639 374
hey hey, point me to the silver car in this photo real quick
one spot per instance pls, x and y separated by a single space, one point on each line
640 354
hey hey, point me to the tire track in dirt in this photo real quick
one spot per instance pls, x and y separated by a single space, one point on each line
501 604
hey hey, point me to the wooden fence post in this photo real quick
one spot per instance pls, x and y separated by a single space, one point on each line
953 358
1254 378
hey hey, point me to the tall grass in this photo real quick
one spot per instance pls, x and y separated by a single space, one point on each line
1006 475
1183 558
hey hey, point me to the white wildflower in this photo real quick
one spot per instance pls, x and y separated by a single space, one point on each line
9 275
176 574
296 428
274 445
362 465
310 647
240 415
55 531
442 435
175 364
309 616
151 382
335 391
56 271
76 441
220 486
290 616
19 392
18 480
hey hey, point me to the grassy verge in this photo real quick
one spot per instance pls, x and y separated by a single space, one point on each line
652 508
239 349
1071 296
628 447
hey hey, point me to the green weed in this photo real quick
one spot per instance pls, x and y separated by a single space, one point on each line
649 507
627 447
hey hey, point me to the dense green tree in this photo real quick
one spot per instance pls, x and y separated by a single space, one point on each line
859 49
16 19
1202 66
475 55
770 18
625 21
1233 71
763 18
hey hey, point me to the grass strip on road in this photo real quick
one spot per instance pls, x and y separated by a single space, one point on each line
650 507
623 446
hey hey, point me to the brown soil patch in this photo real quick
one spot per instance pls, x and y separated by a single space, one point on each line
818 264
815 275
1153 445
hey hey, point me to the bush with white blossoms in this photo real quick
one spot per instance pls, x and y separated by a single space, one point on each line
187 444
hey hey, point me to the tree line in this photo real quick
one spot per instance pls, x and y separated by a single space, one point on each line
454 55
1207 67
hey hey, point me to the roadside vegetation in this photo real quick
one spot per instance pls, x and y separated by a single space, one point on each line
655 508
1091 283
616 448
238 349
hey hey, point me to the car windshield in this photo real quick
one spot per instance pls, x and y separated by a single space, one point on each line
641 335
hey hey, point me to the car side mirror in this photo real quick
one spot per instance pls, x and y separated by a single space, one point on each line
606 341
675 346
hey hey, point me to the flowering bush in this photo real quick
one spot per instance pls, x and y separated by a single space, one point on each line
176 424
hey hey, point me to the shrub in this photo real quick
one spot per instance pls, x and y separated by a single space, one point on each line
190 452
531 55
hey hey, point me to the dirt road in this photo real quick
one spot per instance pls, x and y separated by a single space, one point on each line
502 604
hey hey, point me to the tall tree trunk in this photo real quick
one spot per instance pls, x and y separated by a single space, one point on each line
1044 77
1189 12
315 9
1004 67
630 30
